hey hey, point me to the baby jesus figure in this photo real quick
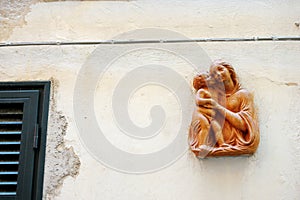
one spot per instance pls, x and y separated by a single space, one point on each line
206 123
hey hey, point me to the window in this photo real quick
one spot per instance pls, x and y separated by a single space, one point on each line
23 122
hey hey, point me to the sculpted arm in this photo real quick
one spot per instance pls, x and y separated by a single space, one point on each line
234 118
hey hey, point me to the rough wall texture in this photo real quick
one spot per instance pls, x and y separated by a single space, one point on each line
269 69
61 160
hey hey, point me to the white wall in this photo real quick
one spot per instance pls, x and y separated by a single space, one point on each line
269 69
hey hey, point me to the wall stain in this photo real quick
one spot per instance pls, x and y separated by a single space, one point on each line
61 161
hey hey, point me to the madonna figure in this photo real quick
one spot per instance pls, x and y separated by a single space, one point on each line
224 122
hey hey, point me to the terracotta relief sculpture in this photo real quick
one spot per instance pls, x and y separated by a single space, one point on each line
224 122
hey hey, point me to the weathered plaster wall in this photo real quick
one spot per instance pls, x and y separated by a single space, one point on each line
269 69
90 20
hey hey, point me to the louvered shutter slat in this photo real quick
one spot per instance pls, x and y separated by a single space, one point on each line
9 153
9 183
7 193
11 133
8 173
13 123
9 163
9 143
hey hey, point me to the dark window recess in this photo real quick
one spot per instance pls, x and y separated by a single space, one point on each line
23 123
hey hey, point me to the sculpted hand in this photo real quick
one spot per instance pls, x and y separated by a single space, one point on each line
207 111
205 102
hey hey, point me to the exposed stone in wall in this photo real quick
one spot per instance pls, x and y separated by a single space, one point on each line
12 14
61 161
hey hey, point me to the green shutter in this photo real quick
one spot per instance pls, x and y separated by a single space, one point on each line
23 121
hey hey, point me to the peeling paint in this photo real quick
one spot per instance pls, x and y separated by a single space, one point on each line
12 15
291 84
61 161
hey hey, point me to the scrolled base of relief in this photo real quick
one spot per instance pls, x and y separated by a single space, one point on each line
224 122
205 151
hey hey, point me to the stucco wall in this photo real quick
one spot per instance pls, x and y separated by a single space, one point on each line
269 69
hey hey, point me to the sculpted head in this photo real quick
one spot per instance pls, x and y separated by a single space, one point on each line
222 71
200 81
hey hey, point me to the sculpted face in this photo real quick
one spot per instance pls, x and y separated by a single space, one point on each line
220 73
